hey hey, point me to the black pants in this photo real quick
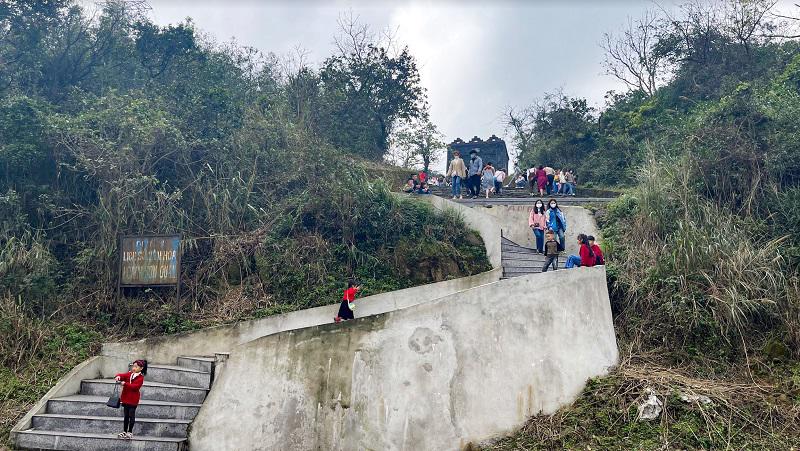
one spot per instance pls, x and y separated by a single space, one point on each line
130 417
474 184
551 260
345 312
550 179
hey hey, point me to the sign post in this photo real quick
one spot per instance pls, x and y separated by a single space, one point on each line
150 261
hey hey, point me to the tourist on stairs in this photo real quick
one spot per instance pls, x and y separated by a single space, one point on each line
474 174
499 178
457 171
550 252
551 176
487 179
348 302
538 223
557 222
541 180
129 398
587 257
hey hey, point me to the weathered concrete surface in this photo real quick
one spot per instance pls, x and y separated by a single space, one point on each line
433 376
514 222
224 338
485 225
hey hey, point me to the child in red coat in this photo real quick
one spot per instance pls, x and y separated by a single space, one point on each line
131 383
598 253
348 301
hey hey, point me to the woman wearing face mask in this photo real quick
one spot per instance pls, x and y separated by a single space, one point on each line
538 223
556 222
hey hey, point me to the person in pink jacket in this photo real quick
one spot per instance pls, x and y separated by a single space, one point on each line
538 223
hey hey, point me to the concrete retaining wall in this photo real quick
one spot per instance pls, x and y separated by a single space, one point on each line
433 376
514 222
224 338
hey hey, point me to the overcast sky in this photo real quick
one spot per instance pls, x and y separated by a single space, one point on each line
476 58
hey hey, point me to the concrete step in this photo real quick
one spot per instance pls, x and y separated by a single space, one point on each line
516 272
522 264
96 406
522 256
151 427
156 391
199 363
178 375
83 441
509 249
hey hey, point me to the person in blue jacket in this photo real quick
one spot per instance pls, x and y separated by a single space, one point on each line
556 222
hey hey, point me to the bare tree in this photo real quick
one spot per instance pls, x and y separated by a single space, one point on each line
632 56
748 20
521 122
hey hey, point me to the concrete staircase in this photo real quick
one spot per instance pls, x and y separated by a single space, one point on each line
171 398
524 193
520 196
520 260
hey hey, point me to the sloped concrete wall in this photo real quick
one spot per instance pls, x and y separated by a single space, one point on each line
434 376
225 338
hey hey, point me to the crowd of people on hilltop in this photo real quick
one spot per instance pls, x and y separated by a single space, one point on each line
545 180
482 178
549 224
477 176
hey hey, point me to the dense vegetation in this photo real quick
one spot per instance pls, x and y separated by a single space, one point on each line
113 125
704 246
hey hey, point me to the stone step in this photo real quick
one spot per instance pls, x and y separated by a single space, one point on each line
151 427
522 255
515 272
522 264
156 391
178 375
96 406
199 363
507 248
83 441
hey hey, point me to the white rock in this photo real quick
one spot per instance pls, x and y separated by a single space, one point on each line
651 408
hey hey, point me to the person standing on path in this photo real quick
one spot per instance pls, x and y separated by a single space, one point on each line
557 222
538 223
541 180
531 177
474 174
487 179
550 252
551 176
457 171
129 398
499 177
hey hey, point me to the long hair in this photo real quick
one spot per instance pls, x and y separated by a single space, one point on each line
538 210
585 241
553 201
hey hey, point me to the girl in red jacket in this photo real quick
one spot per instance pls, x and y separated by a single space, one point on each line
348 302
131 383
586 258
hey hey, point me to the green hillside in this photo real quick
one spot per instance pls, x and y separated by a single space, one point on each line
113 125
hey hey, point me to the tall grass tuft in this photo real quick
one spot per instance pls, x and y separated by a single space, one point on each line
694 270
